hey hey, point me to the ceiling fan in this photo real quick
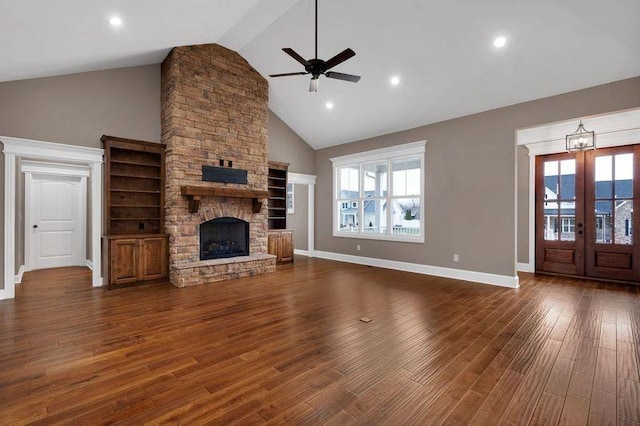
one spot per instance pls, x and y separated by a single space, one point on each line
317 67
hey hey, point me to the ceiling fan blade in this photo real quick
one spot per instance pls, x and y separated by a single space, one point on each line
340 58
289 51
288 73
341 76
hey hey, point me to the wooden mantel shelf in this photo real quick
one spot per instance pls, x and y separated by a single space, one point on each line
195 193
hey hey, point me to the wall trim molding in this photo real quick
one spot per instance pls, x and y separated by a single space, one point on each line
34 169
310 181
438 271
89 264
301 178
15 149
20 274
524 267
301 252
3 295
46 168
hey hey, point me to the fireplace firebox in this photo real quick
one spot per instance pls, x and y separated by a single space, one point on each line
224 237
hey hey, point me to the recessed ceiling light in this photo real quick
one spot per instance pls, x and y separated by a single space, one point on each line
395 80
115 21
329 105
500 41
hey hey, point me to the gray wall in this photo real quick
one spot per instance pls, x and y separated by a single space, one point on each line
298 221
77 109
287 147
470 182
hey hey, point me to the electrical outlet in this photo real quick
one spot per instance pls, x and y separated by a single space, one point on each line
456 258
358 247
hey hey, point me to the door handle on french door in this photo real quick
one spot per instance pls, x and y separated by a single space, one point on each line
579 232
579 225
35 226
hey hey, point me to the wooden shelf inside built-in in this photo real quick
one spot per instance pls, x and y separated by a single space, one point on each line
195 193
277 185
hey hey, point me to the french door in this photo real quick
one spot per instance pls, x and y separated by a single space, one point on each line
585 215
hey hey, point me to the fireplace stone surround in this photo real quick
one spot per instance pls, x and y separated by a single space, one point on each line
214 107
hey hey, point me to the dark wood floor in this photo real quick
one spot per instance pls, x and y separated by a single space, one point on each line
288 348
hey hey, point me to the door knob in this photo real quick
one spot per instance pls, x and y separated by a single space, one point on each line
580 232
579 225
35 226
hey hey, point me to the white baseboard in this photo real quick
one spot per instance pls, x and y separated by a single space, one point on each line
89 264
459 274
524 267
18 278
3 294
301 252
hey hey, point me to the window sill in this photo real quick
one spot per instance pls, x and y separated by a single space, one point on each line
394 238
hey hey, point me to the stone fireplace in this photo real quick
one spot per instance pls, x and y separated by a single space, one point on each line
224 237
214 111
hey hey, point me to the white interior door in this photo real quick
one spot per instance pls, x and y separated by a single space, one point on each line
54 214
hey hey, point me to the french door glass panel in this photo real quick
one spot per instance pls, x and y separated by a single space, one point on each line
613 204
559 204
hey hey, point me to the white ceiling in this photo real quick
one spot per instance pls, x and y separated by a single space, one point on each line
442 51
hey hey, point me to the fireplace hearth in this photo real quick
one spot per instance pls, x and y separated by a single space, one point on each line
224 237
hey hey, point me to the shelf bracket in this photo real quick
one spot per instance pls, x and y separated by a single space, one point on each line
256 206
194 203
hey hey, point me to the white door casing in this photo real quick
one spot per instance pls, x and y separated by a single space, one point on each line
310 180
55 218
91 158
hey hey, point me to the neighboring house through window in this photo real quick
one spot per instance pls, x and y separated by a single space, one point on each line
380 194
568 224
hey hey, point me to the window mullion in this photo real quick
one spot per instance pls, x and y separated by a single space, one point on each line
388 197
360 199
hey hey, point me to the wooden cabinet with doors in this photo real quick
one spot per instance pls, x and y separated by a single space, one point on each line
135 258
135 249
280 243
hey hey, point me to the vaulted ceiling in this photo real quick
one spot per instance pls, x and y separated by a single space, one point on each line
441 51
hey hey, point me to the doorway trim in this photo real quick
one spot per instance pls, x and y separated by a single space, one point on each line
18 148
310 181
612 129
36 168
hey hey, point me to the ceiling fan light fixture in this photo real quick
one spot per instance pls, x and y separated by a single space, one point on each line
313 85
317 67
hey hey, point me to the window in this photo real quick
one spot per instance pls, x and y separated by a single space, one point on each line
380 194
568 224
290 203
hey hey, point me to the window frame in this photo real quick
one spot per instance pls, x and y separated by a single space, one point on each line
359 160
568 225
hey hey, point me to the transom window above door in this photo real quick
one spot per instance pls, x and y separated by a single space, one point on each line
380 194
